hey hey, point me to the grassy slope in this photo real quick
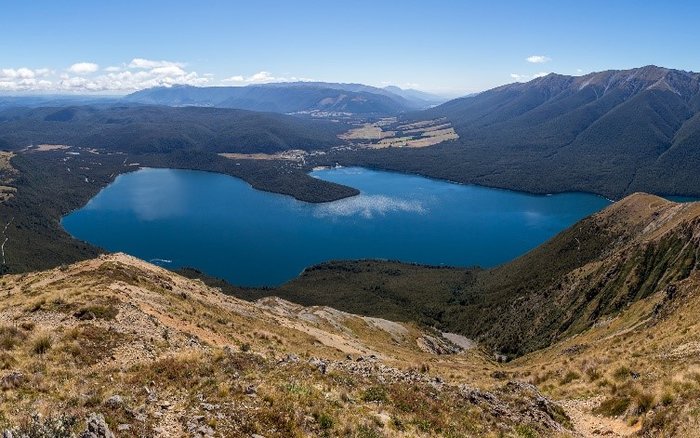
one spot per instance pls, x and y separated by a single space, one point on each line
183 356
116 325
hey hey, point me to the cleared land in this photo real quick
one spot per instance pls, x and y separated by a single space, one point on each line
389 133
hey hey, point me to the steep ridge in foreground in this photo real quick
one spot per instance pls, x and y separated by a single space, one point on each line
151 353
118 343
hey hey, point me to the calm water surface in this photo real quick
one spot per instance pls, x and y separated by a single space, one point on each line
222 226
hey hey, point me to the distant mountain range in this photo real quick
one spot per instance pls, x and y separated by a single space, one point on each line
613 133
150 129
292 97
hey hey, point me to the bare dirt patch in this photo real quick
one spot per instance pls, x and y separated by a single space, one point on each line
290 155
50 147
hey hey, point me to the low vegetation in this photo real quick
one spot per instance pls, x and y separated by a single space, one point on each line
167 356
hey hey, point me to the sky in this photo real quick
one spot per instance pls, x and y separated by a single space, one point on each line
448 47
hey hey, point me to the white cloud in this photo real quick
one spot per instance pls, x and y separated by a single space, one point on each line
262 77
83 68
524 78
149 63
130 80
404 86
23 79
169 70
137 74
20 73
538 59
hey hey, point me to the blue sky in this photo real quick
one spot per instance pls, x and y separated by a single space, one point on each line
450 47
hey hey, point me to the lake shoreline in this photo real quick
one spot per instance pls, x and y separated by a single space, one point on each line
265 239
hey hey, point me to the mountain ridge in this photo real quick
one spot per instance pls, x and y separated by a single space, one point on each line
612 133
286 97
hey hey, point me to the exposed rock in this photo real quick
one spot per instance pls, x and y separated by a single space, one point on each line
434 345
289 358
575 349
96 427
115 401
521 403
209 407
319 364
12 380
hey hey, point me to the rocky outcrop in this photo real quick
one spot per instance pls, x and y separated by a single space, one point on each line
96 427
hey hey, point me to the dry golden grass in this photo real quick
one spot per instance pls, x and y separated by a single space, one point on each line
178 352
182 355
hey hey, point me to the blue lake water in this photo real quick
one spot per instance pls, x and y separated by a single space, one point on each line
224 227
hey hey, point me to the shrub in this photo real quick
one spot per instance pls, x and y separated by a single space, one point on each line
41 344
644 401
325 421
667 399
374 394
593 374
613 406
7 361
526 431
10 337
621 373
55 427
96 312
27 326
569 377
36 306
364 431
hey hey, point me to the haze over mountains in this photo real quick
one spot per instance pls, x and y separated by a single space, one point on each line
292 97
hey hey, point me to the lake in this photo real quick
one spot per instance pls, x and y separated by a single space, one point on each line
222 226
